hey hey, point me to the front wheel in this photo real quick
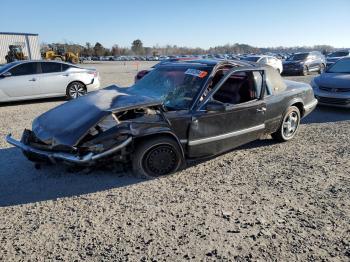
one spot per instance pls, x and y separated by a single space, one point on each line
156 157
75 90
305 71
289 125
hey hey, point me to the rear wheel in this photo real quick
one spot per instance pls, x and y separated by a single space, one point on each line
75 90
289 125
157 157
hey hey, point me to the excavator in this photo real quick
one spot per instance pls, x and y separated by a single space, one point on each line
59 53
15 53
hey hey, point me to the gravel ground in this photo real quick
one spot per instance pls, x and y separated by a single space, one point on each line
263 201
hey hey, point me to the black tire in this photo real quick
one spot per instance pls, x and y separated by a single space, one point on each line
322 68
156 157
287 130
75 90
305 71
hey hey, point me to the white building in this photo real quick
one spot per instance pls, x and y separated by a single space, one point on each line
28 42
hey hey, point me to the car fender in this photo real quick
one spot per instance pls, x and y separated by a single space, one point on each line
158 131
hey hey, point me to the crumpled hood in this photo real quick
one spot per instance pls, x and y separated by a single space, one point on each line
333 80
66 124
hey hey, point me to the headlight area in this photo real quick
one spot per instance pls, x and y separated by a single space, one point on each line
114 130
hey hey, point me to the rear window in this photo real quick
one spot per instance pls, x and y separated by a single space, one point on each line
251 58
50 67
274 81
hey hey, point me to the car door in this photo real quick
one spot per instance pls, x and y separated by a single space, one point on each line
214 132
22 81
52 81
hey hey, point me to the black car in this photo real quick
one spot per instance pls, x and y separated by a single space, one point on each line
181 110
304 63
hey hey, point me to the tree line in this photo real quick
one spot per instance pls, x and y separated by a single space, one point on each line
137 48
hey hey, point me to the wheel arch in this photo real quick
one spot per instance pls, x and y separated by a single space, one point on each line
298 102
76 81
164 133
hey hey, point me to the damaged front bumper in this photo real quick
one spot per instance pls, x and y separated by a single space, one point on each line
72 158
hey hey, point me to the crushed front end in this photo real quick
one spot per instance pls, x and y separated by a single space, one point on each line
111 139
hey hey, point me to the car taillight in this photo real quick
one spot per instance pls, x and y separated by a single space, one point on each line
94 73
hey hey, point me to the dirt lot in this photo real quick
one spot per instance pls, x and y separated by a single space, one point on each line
263 201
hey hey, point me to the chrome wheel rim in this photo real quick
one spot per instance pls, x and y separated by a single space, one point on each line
76 91
290 124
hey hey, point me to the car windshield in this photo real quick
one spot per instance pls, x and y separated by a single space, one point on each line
297 57
339 54
175 86
251 58
342 66
5 67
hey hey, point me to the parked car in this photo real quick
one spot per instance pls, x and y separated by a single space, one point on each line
335 56
266 60
23 80
304 63
332 88
180 110
144 72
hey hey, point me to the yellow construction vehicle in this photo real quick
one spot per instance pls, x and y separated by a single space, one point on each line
60 54
15 53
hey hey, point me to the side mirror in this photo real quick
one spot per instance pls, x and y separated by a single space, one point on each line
6 74
215 106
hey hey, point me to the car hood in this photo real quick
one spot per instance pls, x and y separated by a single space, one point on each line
333 80
66 124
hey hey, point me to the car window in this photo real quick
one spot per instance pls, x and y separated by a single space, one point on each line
263 60
24 69
65 67
240 87
50 67
339 54
274 81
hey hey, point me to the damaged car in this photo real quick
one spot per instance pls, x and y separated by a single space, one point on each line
179 111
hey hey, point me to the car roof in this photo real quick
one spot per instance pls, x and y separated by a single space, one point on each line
207 63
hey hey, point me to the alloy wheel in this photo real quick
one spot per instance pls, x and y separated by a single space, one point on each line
76 90
290 124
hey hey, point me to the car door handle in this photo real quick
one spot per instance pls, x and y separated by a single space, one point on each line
65 74
261 110
33 79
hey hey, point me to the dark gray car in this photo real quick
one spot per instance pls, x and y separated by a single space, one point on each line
335 56
304 63
333 87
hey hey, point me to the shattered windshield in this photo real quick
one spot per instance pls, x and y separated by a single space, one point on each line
175 86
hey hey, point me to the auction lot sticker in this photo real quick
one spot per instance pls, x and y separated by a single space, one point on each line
196 72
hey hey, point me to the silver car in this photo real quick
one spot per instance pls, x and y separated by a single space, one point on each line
23 80
333 86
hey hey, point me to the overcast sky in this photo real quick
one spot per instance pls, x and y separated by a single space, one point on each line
193 23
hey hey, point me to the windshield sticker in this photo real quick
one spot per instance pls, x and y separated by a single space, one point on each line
195 72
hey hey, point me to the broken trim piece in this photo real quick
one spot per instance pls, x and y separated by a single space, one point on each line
224 136
66 156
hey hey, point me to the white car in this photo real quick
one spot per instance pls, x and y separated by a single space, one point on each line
266 60
22 80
